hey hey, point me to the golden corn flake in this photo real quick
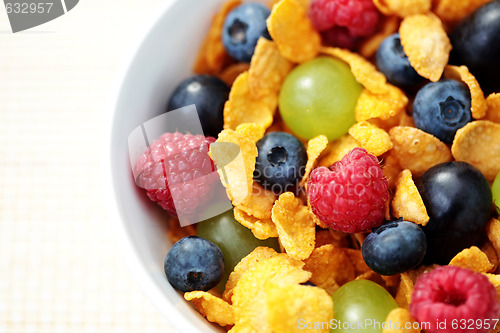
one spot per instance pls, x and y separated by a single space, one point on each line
234 155
493 103
491 253
372 138
176 232
391 168
495 281
315 147
388 123
293 32
295 226
415 273
358 238
213 57
371 276
417 150
407 202
426 44
472 258
250 296
230 73
268 69
259 254
213 308
338 149
452 11
272 3
303 3
259 203
369 46
380 105
478 102
251 131
261 228
478 143
330 236
387 213
356 258
364 72
242 107
330 267
288 305
402 322
493 232
406 120
405 290
315 218
391 280
402 8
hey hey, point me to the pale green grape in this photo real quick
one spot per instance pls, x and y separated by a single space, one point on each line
319 97
361 302
234 240
495 189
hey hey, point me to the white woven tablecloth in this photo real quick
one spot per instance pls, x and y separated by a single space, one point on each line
60 267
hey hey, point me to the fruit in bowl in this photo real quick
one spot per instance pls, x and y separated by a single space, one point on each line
313 146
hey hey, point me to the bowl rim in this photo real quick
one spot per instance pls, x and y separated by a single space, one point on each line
122 237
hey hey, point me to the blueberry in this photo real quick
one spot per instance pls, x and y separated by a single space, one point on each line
458 200
476 44
194 263
209 94
243 27
394 247
281 162
441 108
309 283
394 64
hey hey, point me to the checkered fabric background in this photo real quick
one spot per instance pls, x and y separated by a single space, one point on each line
60 267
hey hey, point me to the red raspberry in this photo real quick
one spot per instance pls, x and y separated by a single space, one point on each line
177 166
466 300
359 17
340 37
351 195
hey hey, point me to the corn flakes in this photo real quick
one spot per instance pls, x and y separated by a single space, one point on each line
426 44
478 143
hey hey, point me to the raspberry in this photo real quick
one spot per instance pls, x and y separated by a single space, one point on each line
359 17
351 195
339 36
177 166
457 295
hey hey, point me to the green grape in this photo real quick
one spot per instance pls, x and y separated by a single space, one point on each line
361 306
319 97
495 189
234 240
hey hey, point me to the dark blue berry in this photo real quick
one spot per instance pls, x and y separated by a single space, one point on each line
194 263
394 247
243 27
476 44
309 283
281 162
209 94
441 108
394 64
458 200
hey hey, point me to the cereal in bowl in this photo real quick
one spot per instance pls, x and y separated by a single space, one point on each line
353 191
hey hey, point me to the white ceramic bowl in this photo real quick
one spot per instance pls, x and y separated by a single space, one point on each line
163 58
